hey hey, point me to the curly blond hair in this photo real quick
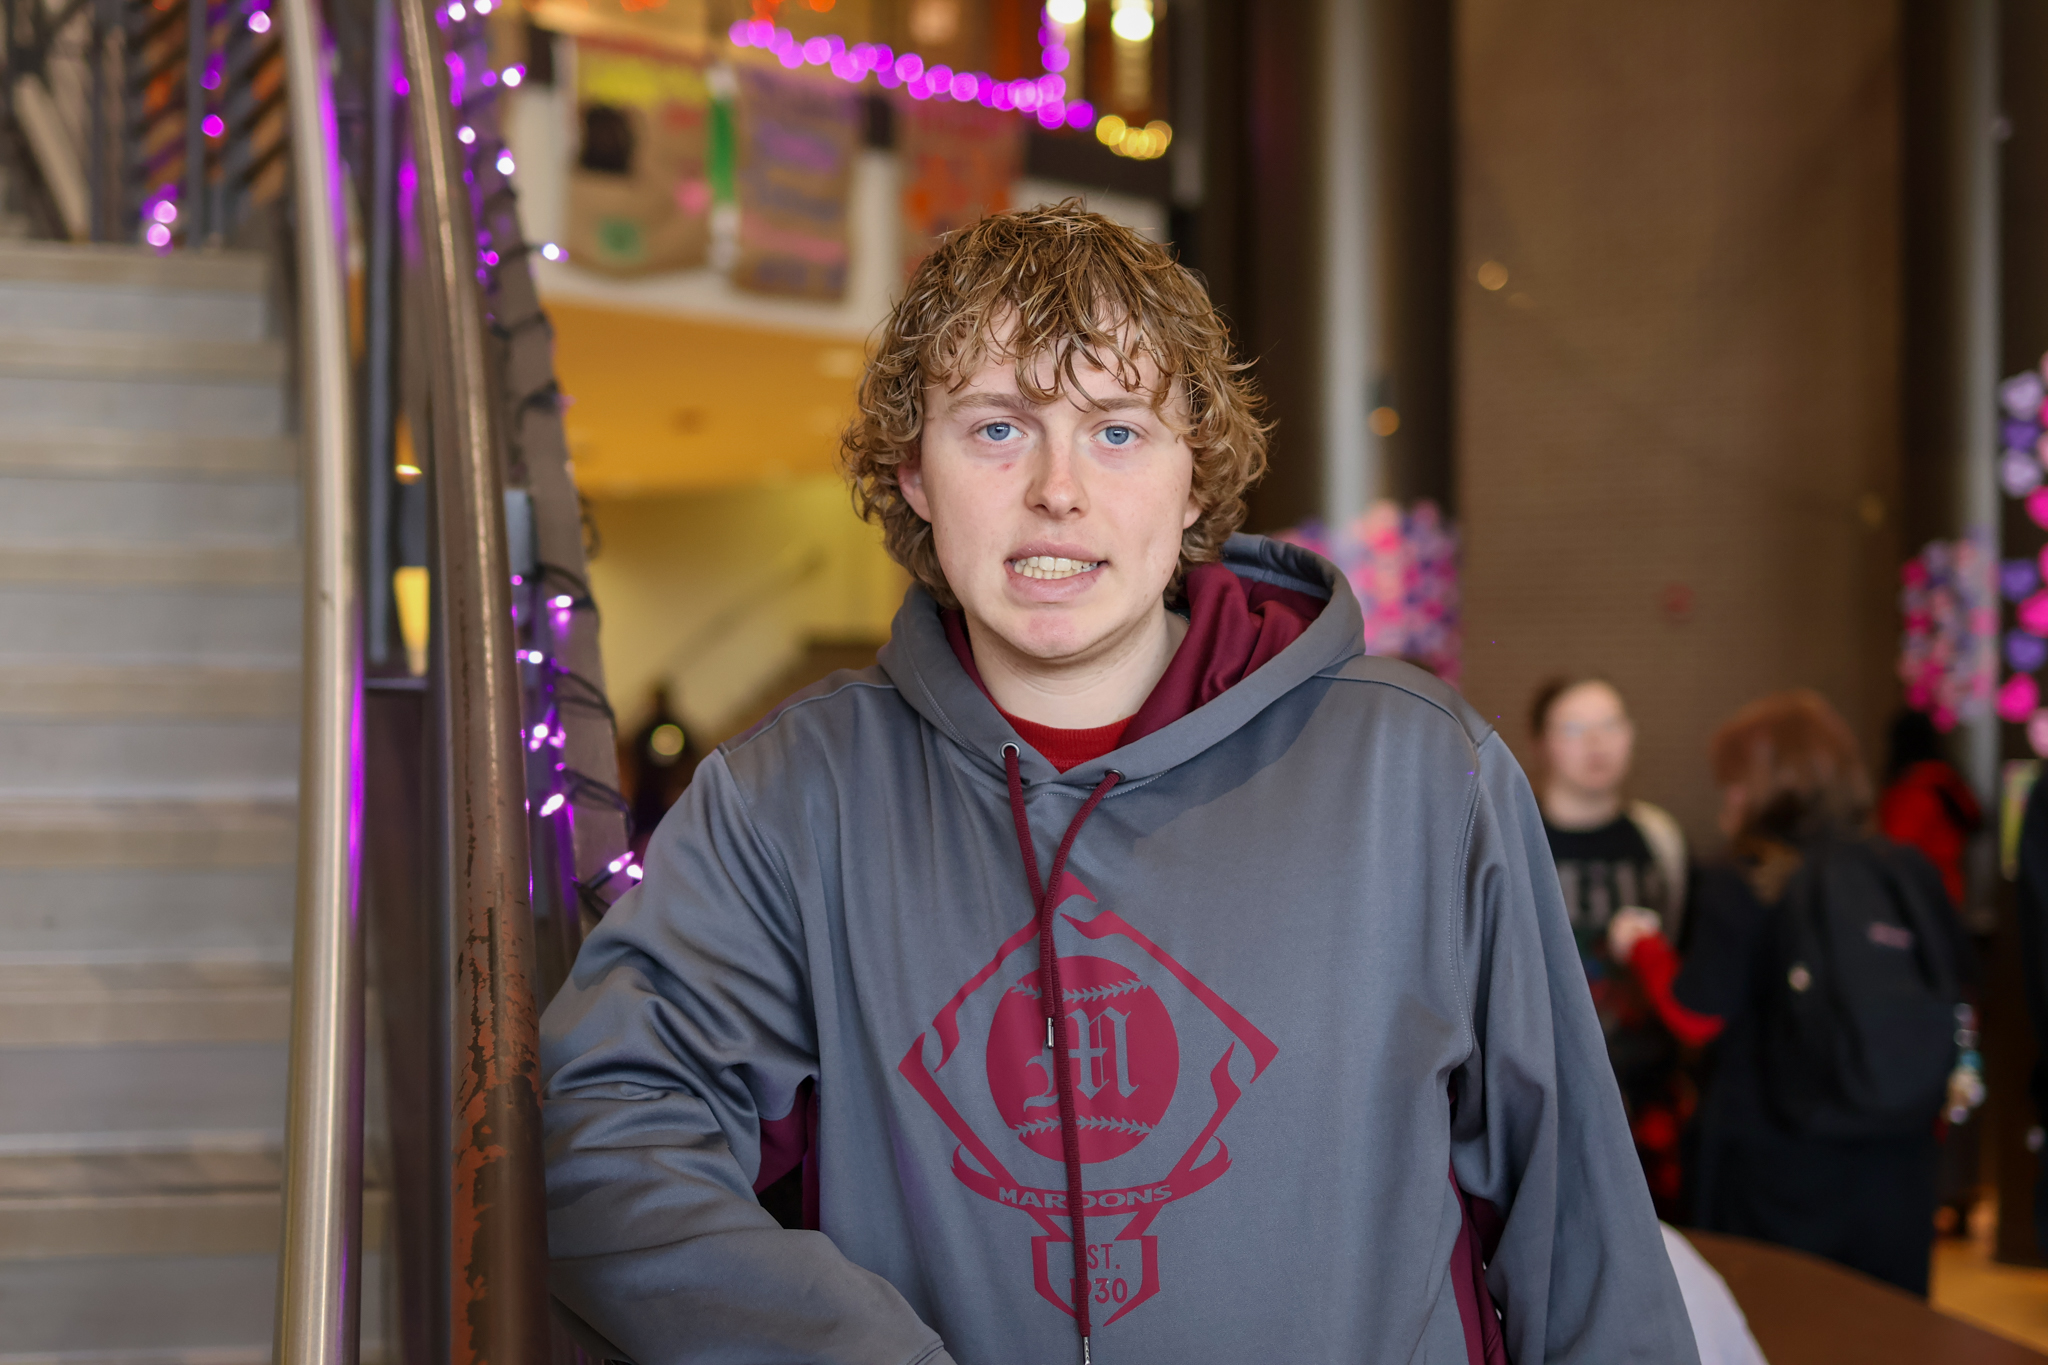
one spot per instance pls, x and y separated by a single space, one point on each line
1064 282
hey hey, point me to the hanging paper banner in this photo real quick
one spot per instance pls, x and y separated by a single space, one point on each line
959 161
639 196
797 137
1403 566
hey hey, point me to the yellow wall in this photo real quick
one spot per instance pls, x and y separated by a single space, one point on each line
665 404
717 591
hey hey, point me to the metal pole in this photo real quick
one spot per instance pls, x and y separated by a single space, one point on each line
499 1311
192 212
1974 200
1350 315
319 1284
380 300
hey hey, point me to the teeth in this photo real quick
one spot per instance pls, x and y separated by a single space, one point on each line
1051 566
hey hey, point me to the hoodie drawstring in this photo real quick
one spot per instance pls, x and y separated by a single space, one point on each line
1044 897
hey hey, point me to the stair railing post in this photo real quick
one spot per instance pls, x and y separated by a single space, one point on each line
319 1279
499 1305
192 212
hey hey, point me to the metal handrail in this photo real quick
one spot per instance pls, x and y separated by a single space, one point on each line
319 1280
499 1309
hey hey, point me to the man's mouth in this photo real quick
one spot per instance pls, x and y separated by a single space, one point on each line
1051 566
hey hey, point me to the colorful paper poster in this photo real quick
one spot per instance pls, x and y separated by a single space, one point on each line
1948 655
639 197
1403 566
797 138
959 161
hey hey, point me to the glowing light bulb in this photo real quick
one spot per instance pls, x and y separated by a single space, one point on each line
513 75
259 22
552 804
634 872
158 235
1109 130
563 603
540 729
212 126
1132 21
457 13
165 211
505 163
465 135
1066 11
550 252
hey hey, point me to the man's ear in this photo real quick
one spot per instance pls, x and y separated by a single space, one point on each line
1194 513
910 479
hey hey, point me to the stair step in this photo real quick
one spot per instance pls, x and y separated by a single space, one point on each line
57 689
78 833
57 1004
54 354
138 1096
144 913
205 1170
158 1310
150 756
121 307
164 512
174 623
246 272
259 565
44 403
89 453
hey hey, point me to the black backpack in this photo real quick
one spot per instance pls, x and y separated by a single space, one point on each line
1860 1015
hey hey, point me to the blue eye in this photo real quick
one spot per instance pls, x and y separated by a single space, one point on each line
1119 436
998 431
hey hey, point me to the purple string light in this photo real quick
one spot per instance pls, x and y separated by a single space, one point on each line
1043 97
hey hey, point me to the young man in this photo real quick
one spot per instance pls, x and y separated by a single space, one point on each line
1143 973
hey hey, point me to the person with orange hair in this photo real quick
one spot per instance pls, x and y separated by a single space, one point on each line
1827 967
1136 970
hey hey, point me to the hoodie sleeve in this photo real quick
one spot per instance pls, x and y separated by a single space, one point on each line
686 1021
1579 1272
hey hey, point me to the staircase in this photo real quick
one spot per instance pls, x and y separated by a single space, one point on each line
149 643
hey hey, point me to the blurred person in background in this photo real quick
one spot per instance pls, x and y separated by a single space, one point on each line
1613 853
661 760
1926 803
2033 923
1828 966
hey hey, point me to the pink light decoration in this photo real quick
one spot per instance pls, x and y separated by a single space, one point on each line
1043 96
2037 734
212 126
2037 507
2032 614
259 22
512 76
552 804
563 602
2018 697
634 872
157 236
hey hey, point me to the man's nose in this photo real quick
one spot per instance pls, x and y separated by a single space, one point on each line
1056 489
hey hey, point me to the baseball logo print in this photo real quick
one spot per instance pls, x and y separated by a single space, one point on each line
1151 1049
1121 1043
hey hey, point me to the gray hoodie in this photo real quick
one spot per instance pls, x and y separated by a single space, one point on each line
1339 1086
